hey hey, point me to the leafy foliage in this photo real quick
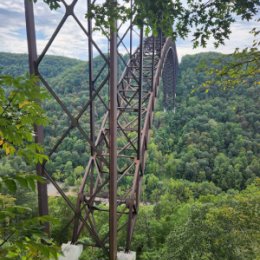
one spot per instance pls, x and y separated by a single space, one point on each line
21 234
178 18
222 227
205 19
19 111
191 221
240 68
53 4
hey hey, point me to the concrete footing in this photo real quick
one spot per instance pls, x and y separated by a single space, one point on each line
71 252
126 256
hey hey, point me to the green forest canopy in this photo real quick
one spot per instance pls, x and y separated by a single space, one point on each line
201 175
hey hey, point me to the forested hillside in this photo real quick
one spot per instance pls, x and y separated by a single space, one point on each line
69 79
211 137
212 141
201 190
214 134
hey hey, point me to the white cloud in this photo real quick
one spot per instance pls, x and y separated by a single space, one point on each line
12 32
72 42
239 38
15 6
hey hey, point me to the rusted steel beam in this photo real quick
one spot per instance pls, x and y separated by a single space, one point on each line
113 141
91 91
39 137
140 94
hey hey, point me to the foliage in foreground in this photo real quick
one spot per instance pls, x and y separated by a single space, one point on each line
21 232
19 111
177 19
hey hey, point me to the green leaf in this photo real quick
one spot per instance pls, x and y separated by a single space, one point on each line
22 181
31 184
11 185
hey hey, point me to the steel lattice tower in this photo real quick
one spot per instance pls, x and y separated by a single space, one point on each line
117 144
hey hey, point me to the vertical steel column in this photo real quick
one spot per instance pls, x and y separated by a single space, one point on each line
113 141
91 106
140 93
131 31
32 51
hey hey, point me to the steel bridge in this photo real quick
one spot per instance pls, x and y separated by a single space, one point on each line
117 139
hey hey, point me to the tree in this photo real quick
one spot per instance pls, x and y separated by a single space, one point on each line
21 235
19 111
240 69
221 227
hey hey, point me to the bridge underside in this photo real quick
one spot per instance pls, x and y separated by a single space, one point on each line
134 97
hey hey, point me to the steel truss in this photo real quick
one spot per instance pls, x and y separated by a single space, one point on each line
111 185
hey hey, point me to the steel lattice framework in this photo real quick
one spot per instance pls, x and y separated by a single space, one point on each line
118 138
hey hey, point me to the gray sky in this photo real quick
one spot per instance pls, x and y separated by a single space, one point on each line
72 42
